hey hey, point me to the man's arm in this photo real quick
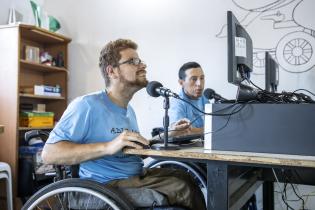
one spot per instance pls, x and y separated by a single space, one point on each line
179 128
69 153
194 130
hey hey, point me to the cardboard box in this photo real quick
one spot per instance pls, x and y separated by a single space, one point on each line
36 119
32 54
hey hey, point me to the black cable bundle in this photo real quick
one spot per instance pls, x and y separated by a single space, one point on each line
284 97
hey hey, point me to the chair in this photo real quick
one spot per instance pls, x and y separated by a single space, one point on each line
5 173
73 193
69 192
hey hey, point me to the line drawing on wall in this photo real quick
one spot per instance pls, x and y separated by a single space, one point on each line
291 35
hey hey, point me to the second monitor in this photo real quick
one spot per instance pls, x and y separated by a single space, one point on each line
271 74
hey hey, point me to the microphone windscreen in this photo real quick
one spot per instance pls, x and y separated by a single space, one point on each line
151 88
209 93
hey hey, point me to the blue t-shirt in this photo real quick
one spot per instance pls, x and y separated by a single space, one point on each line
180 109
95 118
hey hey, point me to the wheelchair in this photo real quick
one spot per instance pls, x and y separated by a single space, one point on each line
68 192
196 170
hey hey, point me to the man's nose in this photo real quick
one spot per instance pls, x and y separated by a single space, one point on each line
143 65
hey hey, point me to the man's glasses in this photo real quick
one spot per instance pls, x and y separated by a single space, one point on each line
133 61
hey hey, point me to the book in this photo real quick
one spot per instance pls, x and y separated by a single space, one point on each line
47 90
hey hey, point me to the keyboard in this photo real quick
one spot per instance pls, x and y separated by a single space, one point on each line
184 139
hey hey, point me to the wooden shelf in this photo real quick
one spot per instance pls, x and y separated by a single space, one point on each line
40 97
35 128
40 67
42 35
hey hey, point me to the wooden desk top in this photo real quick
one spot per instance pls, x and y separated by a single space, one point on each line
230 156
1 128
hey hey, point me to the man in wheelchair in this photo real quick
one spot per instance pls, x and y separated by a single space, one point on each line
96 127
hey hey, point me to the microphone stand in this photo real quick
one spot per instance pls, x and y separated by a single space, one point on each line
166 120
165 146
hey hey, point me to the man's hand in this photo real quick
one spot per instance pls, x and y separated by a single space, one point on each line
127 139
180 128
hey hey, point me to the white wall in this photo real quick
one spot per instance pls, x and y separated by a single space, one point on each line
169 33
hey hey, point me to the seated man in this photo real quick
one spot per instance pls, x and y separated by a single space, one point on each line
96 127
192 80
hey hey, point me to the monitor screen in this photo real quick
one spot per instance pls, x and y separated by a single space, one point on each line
240 51
271 74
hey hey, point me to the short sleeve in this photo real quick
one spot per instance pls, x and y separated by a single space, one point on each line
177 111
74 123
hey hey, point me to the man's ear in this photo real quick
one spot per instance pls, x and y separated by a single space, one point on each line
181 82
110 72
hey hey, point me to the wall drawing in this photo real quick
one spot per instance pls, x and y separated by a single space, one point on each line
288 32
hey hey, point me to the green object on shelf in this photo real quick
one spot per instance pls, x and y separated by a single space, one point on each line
54 24
43 20
36 12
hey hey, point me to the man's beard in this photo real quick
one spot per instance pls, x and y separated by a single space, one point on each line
139 82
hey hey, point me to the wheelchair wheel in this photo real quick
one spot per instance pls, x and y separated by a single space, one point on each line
197 172
77 194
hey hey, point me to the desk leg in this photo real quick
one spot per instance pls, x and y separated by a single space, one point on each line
268 196
217 186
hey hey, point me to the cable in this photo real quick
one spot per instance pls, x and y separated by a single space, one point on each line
238 109
311 194
196 118
304 90
282 194
284 97
206 133
300 198
287 179
213 113
256 86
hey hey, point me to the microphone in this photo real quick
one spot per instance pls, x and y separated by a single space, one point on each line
156 89
211 94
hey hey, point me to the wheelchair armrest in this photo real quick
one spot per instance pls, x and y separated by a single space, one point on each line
62 172
35 133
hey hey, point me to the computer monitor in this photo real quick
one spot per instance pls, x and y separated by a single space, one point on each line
271 74
240 51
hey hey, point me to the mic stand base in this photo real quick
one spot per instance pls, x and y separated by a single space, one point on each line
163 147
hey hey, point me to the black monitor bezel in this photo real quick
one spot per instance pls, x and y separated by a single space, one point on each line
234 29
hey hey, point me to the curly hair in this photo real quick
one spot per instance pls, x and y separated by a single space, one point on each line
110 55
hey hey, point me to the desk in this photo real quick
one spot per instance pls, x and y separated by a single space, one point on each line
217 169
1 129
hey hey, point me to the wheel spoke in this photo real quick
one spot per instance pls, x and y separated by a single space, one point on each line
308 50
304 44
306 59
287 52
290 45
290 58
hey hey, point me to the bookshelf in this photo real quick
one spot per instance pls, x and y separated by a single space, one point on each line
18 72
